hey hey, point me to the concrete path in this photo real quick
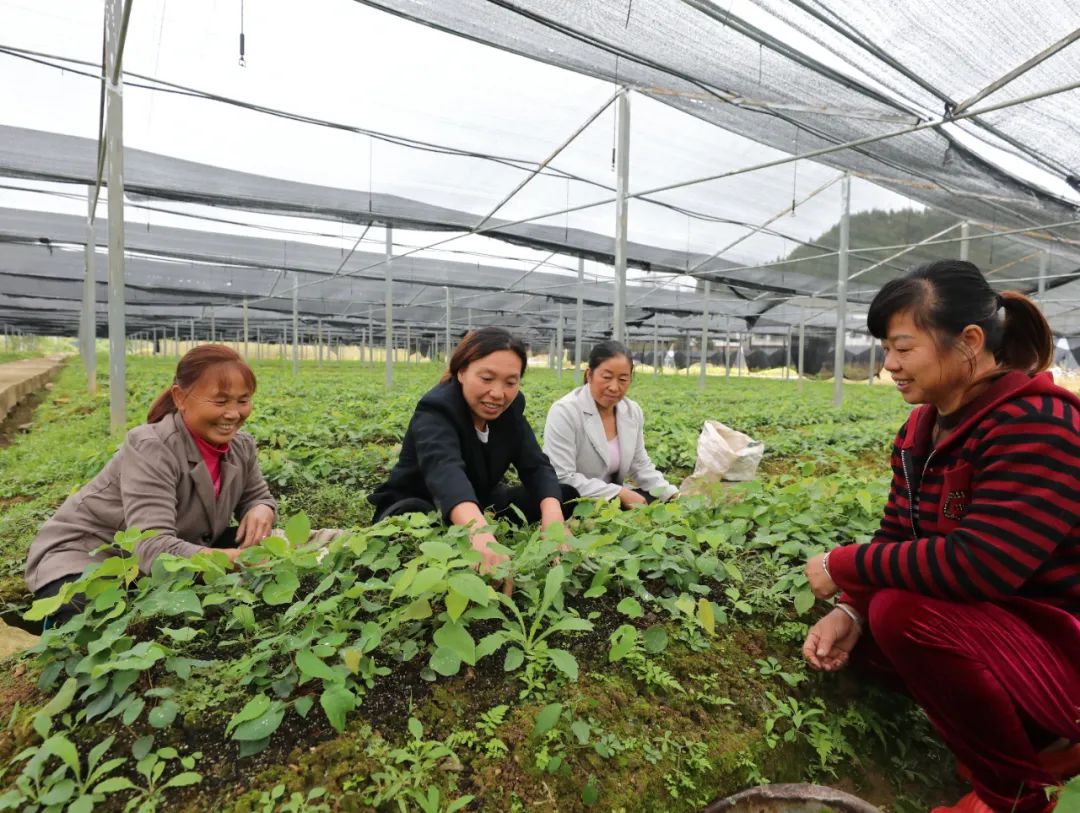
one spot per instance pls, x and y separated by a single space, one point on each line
20 378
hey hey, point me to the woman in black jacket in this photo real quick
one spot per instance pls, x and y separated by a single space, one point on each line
463 436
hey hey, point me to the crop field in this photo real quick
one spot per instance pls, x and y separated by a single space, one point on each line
653 666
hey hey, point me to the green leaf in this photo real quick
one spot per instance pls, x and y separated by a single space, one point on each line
60 702
514 658
590 794
141 747
59 793
282 589
303 705
490 644
445 662
182 780
685 604
44 607
425 580
114 784
337 701
472 587
351 657
547 718
436 550
705 616
182 635
311 667
456 638
581 731
132 712
298 529
455 604
262 726
60 746
630 607
181 602
552 586
254 708
418 610
804 600
416 729
655 639
163 715
564 662
622 642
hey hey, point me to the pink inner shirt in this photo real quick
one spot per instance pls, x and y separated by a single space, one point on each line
211 455
614 459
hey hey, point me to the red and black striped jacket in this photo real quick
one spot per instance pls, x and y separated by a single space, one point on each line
996 504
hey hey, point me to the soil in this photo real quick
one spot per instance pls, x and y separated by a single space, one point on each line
22 414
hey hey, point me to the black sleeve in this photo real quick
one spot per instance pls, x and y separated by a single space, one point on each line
533 467
438 453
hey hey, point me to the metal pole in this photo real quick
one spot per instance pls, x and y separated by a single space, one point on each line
802 349
965 233
319 339
622 182
114 150
841 292
727 347
470 319
579 313
655 343
89 312
408 343
176 339
295 327
245 310
873 361
704 335
787 356
1044 267
213 325
559 344
389 307
258 342
447 336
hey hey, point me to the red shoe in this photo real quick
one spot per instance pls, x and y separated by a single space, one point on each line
968 804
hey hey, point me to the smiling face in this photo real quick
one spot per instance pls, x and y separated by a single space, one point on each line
216 405
610 380
490 384
926 371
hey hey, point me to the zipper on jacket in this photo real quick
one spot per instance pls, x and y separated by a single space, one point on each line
912 505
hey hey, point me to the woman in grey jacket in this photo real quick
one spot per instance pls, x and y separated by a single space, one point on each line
594 436
184 474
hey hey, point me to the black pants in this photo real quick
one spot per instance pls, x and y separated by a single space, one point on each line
503 500
227 539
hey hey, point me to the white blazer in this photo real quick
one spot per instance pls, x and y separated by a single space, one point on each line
576 445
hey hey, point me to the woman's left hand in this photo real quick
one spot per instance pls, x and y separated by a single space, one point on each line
821 583
255 526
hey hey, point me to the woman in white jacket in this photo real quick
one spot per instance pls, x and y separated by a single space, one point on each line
594 436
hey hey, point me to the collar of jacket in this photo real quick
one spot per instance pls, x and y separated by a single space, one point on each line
1015 384
191 449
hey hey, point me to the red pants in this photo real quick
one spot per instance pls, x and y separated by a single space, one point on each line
988 677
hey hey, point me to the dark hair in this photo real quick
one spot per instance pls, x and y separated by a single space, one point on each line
946 296
604 351
192 367
483 342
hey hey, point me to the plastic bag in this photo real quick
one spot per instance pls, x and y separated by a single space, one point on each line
724 453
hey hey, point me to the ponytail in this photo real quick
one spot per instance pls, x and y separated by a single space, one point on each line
191 368
1027 343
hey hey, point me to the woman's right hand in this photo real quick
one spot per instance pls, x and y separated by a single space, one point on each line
232 553
830 641
489 559
630 498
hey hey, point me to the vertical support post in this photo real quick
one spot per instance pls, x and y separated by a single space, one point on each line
88 324
370 337
408 343
191 333
1044 267
579 313
295 325
114 151
446 337
873 361
787 356
841 291
965 233
655 344
802 351
622 182
704 335
213 325
559 345
258 343
319 339
727 347
176 339
245 316
389 307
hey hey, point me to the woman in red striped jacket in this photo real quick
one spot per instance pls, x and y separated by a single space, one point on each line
968 596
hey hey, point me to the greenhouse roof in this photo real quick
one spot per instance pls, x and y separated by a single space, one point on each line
724 98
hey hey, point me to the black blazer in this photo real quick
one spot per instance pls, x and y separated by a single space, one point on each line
443 461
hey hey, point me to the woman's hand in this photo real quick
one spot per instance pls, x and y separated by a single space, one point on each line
821 583
255 526
630 498
232 553
489 559
830 641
